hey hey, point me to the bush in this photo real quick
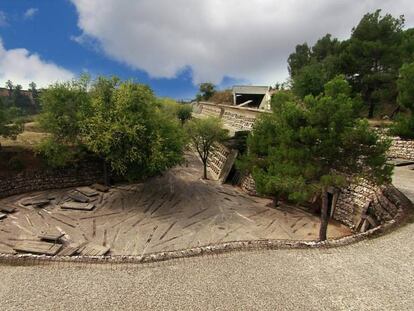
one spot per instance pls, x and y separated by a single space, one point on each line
56 154
403 127
16 164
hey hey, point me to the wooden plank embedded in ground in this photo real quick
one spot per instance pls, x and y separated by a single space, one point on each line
35 202
78 206
91 249
7 209
51 236
37 247
78 197
70 250
89 192
99 187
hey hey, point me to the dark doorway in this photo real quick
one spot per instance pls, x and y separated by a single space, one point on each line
234 176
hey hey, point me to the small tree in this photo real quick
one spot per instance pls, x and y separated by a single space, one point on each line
10 126
404 126
204 134
372 57
207 90
184 113
127 130
63 106
304 148
10 87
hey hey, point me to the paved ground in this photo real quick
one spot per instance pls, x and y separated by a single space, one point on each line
376 274
372 275
403 179
175 211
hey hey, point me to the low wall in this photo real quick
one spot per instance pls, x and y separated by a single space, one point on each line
234 118
248 185
221 161
353 203
363 198
27 181
401 148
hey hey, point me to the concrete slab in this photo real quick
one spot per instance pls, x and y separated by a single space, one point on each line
174 211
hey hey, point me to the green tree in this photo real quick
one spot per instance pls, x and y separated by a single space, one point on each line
372 58
35 94
407 46
310 80
325 47
299 59
10 87
10 126
315 66
204 134
63 106
404 126
184 113
126 129
303 148
206 91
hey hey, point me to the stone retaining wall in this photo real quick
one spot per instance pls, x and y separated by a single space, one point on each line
28 181
248 185
401 148
233 117
360 198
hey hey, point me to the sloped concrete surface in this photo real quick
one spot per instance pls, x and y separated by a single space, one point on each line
375 274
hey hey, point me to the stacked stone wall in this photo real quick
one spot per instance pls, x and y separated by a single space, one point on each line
27 181
238 120
357 198
401 148
217 160
248 185
210 111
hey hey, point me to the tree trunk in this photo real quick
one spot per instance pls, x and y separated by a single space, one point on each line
105 173
324 216
371 109
205 170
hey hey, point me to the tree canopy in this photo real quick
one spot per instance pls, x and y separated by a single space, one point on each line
304 147
404 126
10 126
370 60
206 91
204 134
119 122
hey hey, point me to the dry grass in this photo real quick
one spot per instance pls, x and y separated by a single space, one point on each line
30 137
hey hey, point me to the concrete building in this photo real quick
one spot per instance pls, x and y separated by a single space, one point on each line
251 96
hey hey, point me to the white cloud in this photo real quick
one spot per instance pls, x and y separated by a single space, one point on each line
30 13
22 67
3 19
244 39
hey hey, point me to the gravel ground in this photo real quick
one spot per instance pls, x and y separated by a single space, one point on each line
372 275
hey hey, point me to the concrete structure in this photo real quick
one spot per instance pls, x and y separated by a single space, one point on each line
252 96
360 205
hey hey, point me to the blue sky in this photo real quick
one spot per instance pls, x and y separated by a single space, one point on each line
48 33
170 45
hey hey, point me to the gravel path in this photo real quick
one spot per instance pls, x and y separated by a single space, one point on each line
372 275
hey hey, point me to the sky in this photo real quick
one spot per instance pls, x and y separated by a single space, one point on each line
170 45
